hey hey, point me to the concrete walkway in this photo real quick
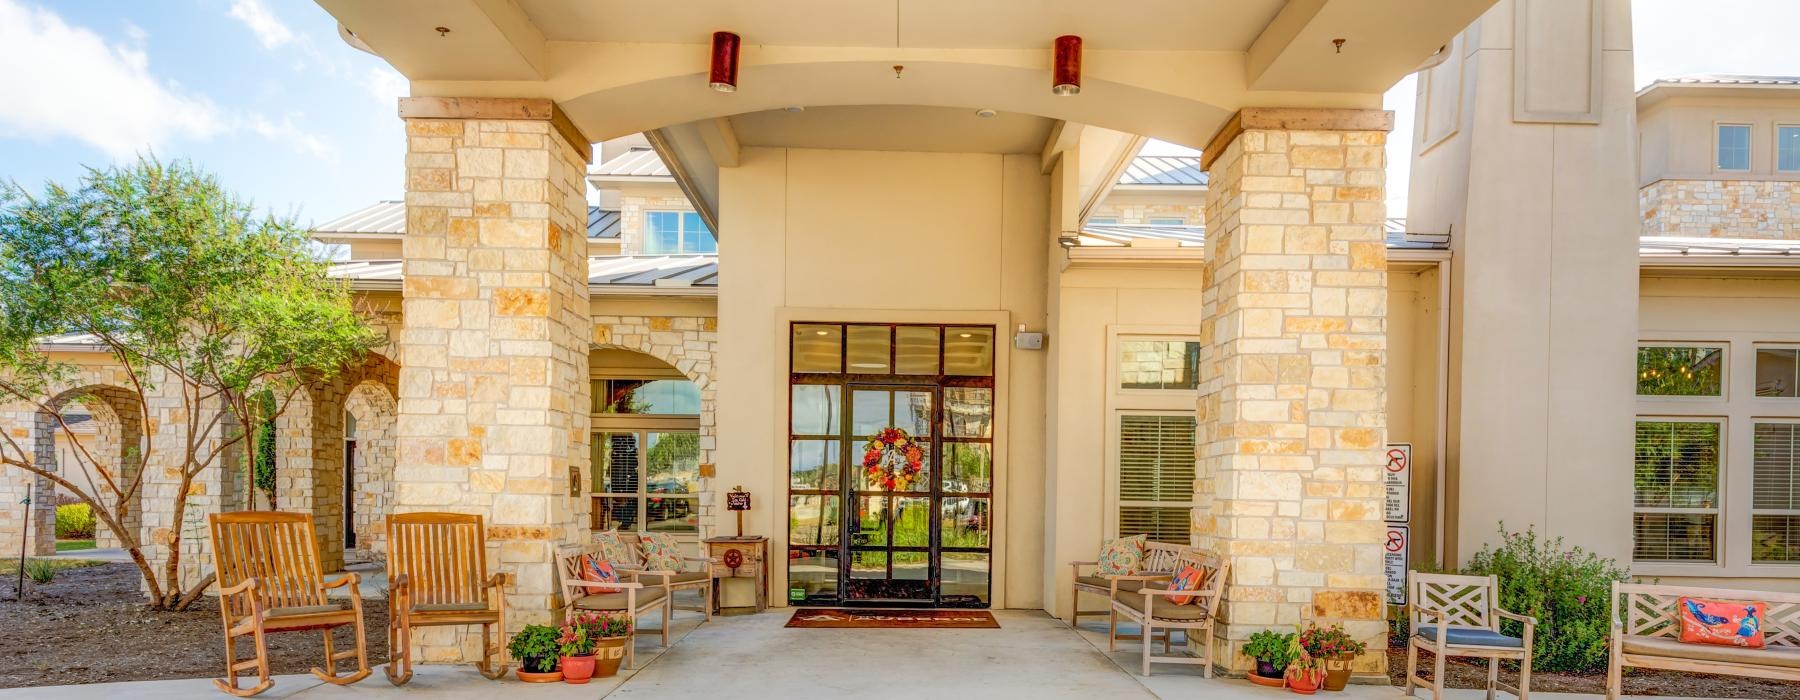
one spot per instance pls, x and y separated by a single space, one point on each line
1032 656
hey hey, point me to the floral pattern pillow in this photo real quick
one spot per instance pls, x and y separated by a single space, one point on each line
615 550
661 553
1123 556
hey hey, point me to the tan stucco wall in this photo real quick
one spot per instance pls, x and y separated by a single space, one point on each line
890 236
1678 135
1415 313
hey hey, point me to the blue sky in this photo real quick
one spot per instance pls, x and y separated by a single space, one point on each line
261 92
264 93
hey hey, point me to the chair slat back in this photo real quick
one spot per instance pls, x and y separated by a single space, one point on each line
1465 601
443 556
280 550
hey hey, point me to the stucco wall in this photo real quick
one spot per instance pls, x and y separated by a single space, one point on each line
889 236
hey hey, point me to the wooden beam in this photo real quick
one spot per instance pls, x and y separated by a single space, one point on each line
1293 119
500 109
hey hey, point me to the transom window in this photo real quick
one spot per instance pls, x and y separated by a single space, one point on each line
672 232
1159 364
1680 370
1733 147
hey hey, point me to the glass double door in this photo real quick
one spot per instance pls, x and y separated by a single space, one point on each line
902 536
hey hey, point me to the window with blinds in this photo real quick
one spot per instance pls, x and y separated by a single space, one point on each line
1775 493
1156 476
1676 491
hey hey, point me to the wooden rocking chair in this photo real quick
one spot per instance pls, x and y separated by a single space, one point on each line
269 581
437 575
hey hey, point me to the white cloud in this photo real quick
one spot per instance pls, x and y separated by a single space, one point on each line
289 132
386 85
262 21
65 80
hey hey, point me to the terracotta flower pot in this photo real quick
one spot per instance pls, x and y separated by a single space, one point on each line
532 677
576 670
1337 671
1269 681
1304 682
609 652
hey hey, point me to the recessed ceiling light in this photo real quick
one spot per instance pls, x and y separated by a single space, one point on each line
986 113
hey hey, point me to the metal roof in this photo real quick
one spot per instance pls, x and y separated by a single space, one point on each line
389 217
637 162
1694 247
606 273
1728 79
1175 171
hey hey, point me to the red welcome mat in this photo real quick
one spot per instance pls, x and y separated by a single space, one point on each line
839 618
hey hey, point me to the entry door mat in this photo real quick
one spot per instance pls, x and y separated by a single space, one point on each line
858 618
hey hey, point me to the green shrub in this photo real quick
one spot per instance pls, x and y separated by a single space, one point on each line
74 521
40 571
1567 589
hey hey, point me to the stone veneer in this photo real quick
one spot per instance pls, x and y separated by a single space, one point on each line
494 395
1721 208
1293 397
309 450
687 343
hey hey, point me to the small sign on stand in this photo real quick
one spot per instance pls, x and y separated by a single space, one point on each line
738 500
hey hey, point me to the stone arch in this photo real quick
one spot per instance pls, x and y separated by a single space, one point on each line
107 421
687 343
372 406
310 450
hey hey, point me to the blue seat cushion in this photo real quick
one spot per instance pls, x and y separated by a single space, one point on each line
1472 638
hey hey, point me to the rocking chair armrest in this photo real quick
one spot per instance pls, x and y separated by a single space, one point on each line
500 579
349 579
399 582
248 585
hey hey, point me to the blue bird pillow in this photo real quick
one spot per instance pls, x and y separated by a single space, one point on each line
1722 622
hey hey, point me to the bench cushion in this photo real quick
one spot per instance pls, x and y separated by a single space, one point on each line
617 601
1102 582
1164 609
1473 638
1669 647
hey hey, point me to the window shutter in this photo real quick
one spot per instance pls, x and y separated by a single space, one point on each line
1156 476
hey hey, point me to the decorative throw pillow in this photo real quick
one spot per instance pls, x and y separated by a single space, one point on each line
615 550
661 553
1189 578
1722 622
1123 556
598 570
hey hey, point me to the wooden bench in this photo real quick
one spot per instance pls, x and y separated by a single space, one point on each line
1159 566
1647 634
1153 609
629 597
695 574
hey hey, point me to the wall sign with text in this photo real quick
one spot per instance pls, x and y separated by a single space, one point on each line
1396 476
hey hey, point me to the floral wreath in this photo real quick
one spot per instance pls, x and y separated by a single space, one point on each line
892 459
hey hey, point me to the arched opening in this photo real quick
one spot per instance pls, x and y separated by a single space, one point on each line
318 450
92 436
369 413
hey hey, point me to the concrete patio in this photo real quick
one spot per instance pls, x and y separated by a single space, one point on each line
1031 656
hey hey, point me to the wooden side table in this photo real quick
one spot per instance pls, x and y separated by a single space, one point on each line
751 554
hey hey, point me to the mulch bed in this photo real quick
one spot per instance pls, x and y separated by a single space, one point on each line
90 626
1465 674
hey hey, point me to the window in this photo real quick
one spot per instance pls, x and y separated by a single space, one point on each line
670 232
1775 499
1676 485
660 397
1777 372
1787 148
646 455
1159 364
1734 147
1156 476
1669 370
1168 222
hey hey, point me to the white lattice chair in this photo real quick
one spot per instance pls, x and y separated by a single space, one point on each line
1454 615
1647 634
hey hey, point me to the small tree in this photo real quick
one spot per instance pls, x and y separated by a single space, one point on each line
197 299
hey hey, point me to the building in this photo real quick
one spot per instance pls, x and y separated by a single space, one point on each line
1221 349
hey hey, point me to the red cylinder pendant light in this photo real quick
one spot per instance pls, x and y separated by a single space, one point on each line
1065 67
724 62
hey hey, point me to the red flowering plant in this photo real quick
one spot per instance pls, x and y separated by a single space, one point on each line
892 459
1330 642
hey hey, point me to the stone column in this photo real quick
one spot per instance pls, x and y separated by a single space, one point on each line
493 395
1293 409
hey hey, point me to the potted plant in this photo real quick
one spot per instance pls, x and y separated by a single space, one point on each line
576 652
536 649
1334 649
610 634
1273 652
1304 676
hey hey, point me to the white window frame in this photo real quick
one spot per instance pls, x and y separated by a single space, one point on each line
643 425
1754 347
1754 511
1719 489
1725 371
1777 150
1121 401
1749 147
684 236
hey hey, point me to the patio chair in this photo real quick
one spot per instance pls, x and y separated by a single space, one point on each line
1460 616
696 573
629 597
437 576
269 581
1154 608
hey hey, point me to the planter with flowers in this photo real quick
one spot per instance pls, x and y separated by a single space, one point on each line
610 634
1305 677
1335 649
535 648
